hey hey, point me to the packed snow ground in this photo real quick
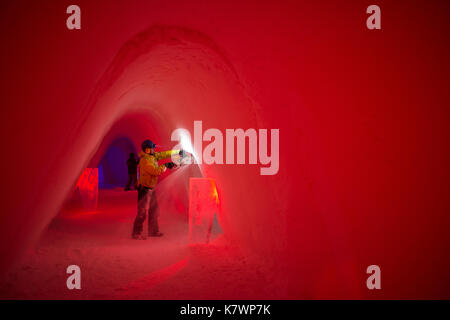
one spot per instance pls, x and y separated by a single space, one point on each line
113 266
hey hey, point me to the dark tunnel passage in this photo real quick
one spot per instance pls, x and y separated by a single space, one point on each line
112 169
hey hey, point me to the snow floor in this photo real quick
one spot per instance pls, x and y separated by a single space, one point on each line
113 266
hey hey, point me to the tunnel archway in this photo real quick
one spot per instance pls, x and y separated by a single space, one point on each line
143 78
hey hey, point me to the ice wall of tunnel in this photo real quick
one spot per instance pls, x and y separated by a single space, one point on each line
363 133
152 74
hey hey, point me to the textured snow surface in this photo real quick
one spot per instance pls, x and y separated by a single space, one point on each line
113 266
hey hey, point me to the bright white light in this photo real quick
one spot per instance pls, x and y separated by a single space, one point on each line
184 138
185 143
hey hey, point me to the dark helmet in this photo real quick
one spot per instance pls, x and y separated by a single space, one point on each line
147 144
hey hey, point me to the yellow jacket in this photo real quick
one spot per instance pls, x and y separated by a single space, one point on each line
149 170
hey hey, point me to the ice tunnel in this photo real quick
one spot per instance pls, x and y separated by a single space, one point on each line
362 168
135 99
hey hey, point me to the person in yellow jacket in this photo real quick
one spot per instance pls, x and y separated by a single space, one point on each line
149 170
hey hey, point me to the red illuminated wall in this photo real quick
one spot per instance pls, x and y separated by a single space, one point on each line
362 115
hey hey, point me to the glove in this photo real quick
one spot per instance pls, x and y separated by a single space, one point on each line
169 165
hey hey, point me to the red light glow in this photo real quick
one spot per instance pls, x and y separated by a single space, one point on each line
203 204
88 188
